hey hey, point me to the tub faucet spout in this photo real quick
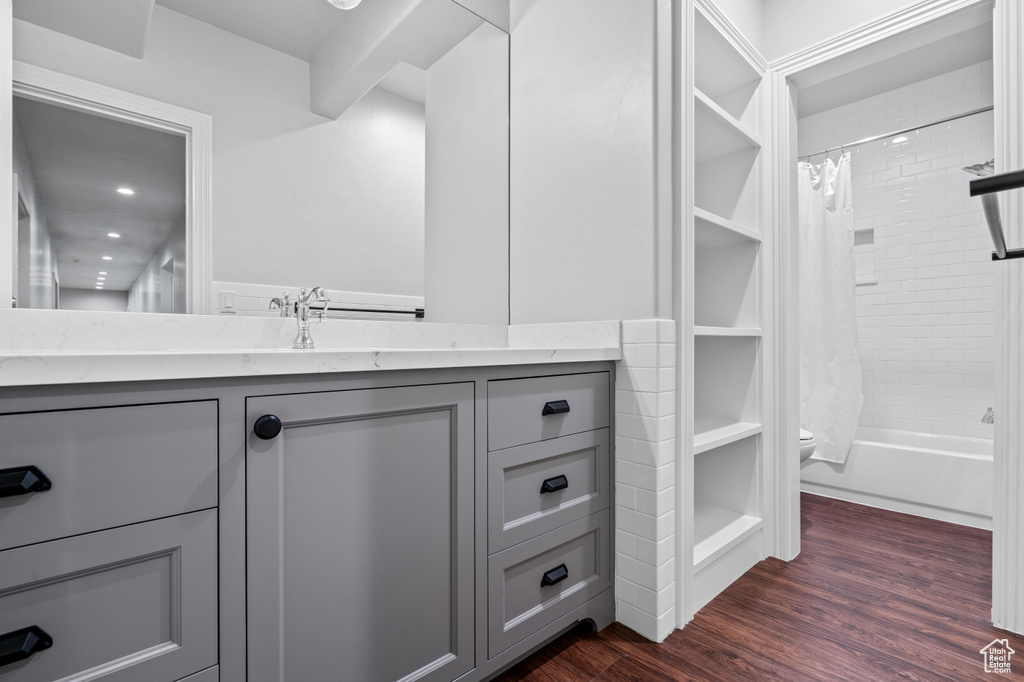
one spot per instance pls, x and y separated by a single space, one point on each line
989 418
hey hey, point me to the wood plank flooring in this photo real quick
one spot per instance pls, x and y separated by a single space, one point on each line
874 595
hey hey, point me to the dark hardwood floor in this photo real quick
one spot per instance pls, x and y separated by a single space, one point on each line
874 595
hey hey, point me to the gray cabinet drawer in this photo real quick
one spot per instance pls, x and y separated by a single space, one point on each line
108 467
518 507
122 605
518 603
515 406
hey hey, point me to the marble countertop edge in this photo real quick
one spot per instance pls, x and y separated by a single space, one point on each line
34 368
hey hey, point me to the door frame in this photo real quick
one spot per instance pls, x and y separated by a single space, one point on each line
48 86
1008 58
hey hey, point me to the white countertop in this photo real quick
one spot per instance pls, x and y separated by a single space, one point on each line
58 347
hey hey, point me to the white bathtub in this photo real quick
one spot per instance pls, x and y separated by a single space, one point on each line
941 477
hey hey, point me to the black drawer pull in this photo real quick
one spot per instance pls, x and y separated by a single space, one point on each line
555 576
554 483
555 407
267 427
22 480
20 644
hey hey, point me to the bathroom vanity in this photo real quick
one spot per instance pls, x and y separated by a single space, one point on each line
428 523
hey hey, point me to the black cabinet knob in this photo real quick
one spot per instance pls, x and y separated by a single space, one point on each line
267 427
22 480
20 644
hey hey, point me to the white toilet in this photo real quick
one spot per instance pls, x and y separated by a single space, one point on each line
806 444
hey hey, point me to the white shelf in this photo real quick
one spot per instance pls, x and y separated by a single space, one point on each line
721 71
704 330
718 530
714 230
718 133
709 433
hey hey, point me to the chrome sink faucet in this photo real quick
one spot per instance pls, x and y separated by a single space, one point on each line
304 340
284 304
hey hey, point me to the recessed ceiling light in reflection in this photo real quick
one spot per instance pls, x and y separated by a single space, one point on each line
102 273
99 287
113 235
107 258
125 190
900 139
101 279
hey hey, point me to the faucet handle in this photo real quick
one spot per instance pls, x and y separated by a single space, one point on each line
321 296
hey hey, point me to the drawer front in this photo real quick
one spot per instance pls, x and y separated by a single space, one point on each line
108 467
122 605
519 603
525 494
515 408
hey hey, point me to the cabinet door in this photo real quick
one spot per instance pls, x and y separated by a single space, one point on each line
359 534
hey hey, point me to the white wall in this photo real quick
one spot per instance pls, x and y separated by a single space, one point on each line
467 168
926 302
791 25
37 259
583 230
297 198
149 292
93 299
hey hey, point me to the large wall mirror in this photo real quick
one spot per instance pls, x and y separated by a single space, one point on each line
350 150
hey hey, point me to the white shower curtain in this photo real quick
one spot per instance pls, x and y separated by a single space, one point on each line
830 374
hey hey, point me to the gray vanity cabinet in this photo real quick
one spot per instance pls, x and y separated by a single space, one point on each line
359 529
429 524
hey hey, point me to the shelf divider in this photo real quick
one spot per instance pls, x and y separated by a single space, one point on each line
702 330
723 134
729 232
709 433
717 531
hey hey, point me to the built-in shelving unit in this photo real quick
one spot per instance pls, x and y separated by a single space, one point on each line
727 285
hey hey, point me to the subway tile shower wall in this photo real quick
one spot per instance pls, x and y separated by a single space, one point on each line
926 285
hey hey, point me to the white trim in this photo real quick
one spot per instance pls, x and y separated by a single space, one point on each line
786 534
683 147
732 34
781 331
50 86
1008 483
870 33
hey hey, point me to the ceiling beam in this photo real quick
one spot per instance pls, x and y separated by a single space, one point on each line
375 38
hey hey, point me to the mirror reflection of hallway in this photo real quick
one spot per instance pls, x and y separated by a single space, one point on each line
101 212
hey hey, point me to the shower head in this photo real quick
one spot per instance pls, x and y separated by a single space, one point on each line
982 169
